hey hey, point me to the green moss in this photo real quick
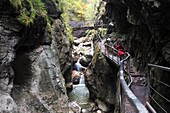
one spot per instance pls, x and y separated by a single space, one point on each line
68 29
69 34
95 56
49 27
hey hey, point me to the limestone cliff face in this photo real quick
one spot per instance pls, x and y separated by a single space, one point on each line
146 25
64 47
31 78
102 81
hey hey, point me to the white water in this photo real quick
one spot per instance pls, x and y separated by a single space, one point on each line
82 81
80 93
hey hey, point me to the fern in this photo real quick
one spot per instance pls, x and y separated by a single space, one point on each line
25 19
39 7
15 3
26 16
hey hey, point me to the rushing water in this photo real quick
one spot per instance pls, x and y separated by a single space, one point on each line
82 81
80 94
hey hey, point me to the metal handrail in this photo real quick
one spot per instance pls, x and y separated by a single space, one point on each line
150 87
128 56
150 107
134 101
160 67
111 47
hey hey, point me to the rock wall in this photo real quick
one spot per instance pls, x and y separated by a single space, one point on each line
102 82
64 46
145 24
32 64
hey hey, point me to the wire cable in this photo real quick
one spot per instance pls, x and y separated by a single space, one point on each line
160 94
161 82
158 104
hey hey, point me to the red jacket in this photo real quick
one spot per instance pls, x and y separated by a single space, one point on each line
120 53
119 47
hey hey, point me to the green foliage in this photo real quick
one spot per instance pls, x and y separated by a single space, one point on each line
69 35
77 10
102 31
90 11
38 7
90 32
25 19
15 3
29 12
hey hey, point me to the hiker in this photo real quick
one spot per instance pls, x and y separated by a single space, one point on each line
120 50
120 47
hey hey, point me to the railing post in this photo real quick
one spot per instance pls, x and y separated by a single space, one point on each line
122 65
122 92
105 50
119 95
122 106
148 83
128 69
112 54
123 102
118 60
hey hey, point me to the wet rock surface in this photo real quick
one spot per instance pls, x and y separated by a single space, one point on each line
31 79
101 81
64 46
146 30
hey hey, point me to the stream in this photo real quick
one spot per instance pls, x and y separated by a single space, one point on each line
80 94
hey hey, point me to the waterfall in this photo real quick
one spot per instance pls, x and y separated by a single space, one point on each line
78 66
82 81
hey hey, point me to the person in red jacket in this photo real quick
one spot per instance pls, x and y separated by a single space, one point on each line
120 50
120 53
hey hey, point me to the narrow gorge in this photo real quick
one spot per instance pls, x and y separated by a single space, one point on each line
51 62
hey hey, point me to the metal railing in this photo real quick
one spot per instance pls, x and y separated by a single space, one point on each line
110 52
155 91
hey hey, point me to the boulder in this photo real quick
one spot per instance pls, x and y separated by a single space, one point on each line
76 77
